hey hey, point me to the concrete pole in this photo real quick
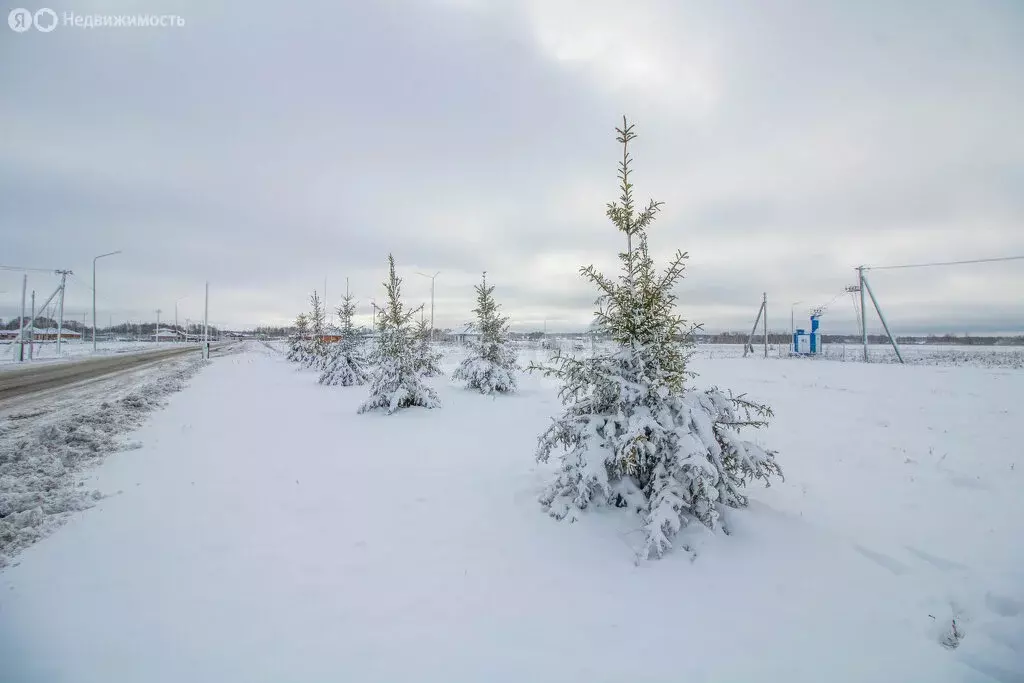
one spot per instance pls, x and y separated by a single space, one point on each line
21 326
157 325
432 278
863 313
95 259
765 308
206 323
749 346
31 331
881 316
60 310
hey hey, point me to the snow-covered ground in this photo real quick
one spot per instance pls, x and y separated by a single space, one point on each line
46 352
1011 357
266 532
47 440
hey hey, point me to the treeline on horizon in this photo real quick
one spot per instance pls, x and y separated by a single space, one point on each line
967 339
124 329
739 337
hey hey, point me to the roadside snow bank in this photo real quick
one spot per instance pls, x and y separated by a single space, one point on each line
43 450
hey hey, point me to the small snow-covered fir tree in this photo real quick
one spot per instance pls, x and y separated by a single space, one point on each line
396 383
428 360
345 364
491 364
317 357
632 434
298 345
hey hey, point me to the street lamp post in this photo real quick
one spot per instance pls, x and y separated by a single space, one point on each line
94 295
431 300
176 315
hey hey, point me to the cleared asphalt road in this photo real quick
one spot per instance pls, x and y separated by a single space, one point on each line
33 379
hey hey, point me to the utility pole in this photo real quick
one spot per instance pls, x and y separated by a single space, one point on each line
206 319
761 311
376 310
158 311
94 295
60 308
431 301
31 323
863 312
765 308
881 317
32 329
21 331
176 316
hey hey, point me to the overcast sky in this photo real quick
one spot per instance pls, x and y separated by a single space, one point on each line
266 146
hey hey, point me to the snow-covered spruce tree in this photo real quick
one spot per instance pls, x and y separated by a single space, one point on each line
298 345
345 364
317 357
491 364
632 434
428 361
395 381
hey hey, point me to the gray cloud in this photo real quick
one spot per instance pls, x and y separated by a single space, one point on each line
264 151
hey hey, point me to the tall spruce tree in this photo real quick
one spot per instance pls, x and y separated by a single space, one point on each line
491 364
298 345
345 365
428 360
633 434
396 382
317 327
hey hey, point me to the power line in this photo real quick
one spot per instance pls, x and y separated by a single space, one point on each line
81 282
946 263
21 270
820 310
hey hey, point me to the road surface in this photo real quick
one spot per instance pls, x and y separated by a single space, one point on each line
35 379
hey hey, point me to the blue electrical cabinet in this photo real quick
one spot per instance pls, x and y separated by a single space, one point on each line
807 343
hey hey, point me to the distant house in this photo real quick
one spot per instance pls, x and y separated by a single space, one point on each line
165 335
40 334
331 335
464 337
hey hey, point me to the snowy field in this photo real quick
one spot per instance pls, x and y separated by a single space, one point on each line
46 352
1011 357
265 532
